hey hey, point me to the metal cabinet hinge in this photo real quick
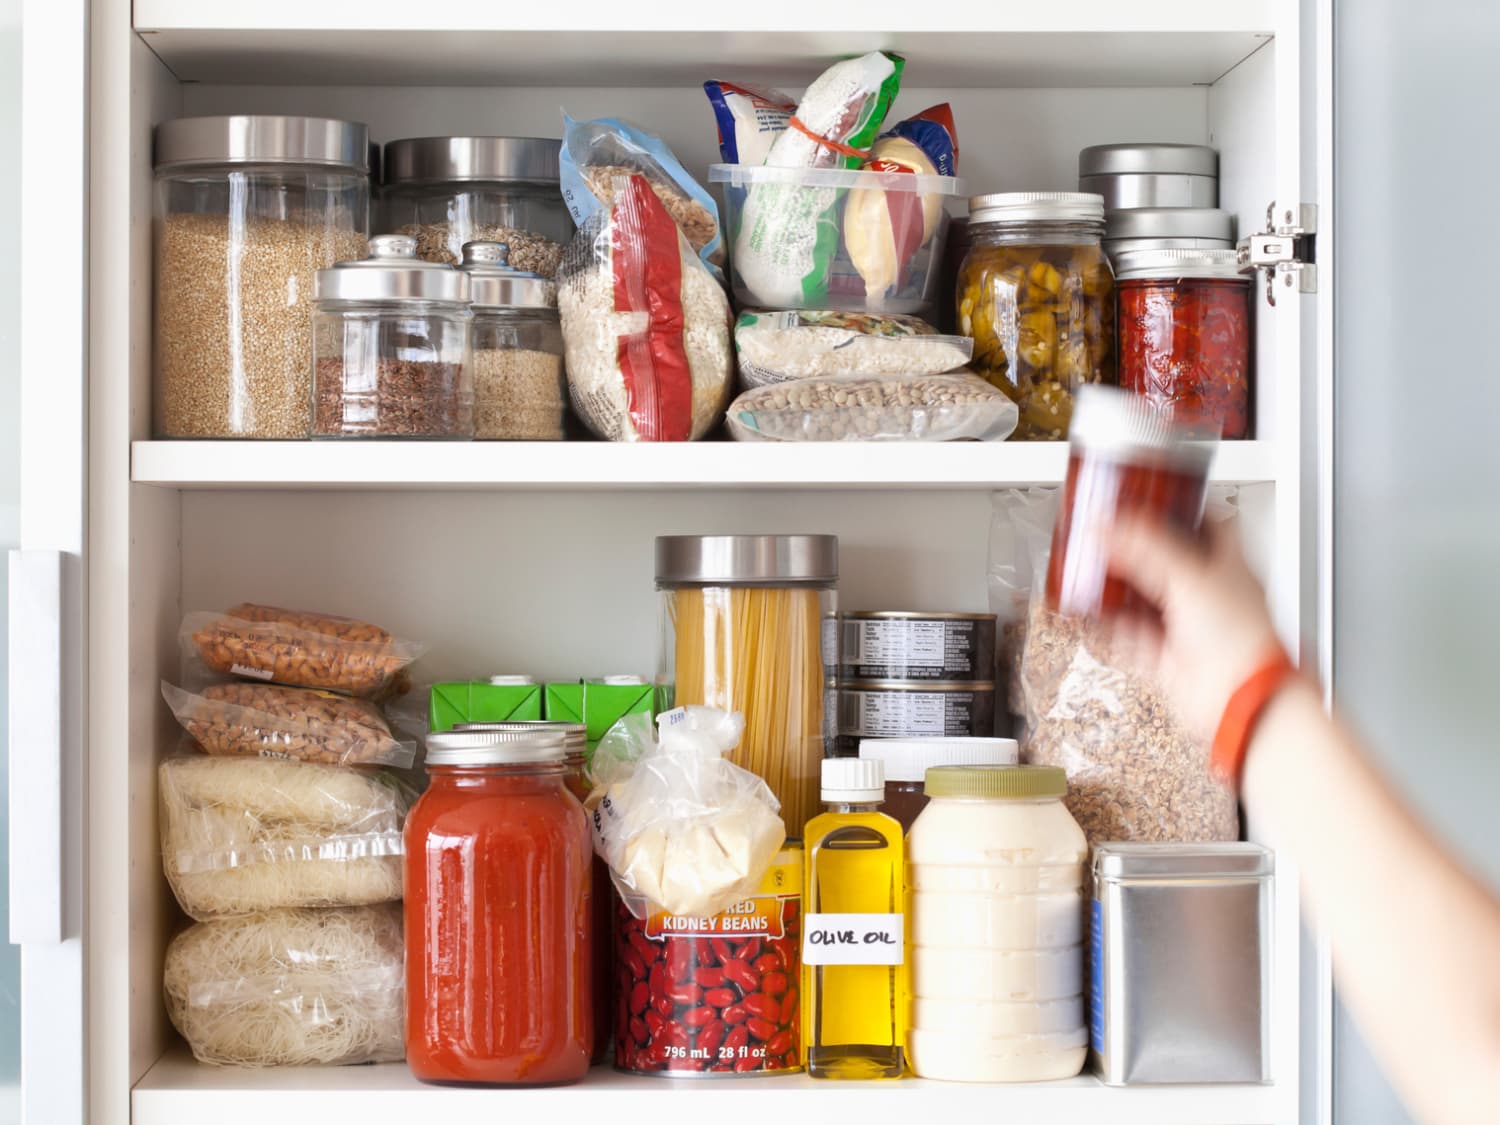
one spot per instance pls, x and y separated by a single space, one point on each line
1286 251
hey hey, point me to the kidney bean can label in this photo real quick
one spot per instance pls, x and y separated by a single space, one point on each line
709 996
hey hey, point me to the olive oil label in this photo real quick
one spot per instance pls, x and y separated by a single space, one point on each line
853 939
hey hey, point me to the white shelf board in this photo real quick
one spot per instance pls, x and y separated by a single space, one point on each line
602 43
179 1091
580 465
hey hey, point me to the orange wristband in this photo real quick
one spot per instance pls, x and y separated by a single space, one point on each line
1243 711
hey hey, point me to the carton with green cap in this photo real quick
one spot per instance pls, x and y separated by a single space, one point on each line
499 699
598 703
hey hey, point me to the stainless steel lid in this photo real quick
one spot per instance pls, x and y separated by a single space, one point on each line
392 272
495 747
575 735
1177 262
495 284
918 685
431 160
1170 222
262 139
1037 206
912 615
747 560
1109 420
1182 861
1148 159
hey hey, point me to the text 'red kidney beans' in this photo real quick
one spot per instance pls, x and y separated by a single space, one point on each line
719 988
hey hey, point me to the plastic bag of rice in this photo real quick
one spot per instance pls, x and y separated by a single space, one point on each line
773 347
645 324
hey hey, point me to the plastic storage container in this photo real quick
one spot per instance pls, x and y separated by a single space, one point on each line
391 347
1167 228
247 210
520 390
1185 337
1037 295
1150 175
446 191
497 914
907 761
741 628
1126 455
789 247
995 874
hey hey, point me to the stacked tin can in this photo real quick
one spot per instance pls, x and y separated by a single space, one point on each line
910 675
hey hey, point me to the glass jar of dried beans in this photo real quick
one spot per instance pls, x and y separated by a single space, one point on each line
1185 337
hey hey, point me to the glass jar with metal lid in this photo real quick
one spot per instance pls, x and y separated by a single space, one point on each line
741 628
520 391
1185 337
1167 228
247 209
1150 175
498 899
447 191
391 347
1036 294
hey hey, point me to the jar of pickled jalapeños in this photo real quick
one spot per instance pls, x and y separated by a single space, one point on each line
1036 294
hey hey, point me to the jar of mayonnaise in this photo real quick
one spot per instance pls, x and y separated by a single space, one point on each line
995 869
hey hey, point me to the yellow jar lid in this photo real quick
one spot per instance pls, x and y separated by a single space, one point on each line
996 782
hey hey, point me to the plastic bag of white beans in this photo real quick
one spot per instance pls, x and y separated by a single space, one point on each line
957 406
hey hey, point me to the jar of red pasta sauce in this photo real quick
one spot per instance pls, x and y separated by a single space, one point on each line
498 908
576 778
1185 336
1125 455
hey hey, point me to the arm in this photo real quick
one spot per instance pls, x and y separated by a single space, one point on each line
1416 940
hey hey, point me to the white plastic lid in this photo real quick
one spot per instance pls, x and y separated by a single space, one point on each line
513 681
853 780
621 681
907 759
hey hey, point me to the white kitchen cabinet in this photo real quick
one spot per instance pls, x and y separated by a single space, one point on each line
537 558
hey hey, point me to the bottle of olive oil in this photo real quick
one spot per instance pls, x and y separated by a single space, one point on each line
854 976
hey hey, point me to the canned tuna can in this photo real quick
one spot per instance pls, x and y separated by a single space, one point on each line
917 646
909 709
705 997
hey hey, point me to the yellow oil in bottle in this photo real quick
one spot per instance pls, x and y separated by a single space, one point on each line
854 1016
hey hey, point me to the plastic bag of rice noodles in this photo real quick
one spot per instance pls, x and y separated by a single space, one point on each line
290 987
789 234
240 835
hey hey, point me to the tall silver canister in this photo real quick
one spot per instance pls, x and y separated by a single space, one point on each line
1180 963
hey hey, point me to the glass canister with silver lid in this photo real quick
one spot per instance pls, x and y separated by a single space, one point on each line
447 191
247 209
391 347
520 390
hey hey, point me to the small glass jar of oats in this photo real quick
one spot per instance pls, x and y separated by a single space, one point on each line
520 390
446 191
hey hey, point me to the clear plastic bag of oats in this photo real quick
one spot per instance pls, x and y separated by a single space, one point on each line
1133 772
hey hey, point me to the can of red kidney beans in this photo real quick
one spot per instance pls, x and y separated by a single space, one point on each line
703 997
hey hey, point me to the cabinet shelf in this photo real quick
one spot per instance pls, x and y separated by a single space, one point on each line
179 1091
603 465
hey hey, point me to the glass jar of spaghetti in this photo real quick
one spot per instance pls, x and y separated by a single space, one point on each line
1185 336
498 910
1125 455
741 628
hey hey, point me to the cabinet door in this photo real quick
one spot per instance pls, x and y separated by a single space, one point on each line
46 587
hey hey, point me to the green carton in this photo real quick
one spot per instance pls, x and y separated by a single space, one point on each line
598 704
482 702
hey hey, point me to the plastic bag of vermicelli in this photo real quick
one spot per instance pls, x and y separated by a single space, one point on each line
241 835
290 987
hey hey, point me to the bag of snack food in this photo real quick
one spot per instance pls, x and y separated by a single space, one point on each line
884 230
773 347
598 157
957 406
750 118
271 721
645 324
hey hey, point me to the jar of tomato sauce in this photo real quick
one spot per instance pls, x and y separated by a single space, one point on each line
498 910
576 778
1125 455
1185 336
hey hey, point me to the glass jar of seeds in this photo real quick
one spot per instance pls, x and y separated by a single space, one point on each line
390 347
247 209
520 391
447 191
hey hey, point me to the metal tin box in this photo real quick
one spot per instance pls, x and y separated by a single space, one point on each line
1180 963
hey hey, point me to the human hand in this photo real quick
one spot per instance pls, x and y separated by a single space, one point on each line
1214 629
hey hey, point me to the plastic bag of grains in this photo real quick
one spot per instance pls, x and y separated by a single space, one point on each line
645 324
1133 772
773 347
957 406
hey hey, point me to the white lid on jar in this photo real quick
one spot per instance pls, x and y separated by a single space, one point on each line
1112 421
907 759
853 780
513 681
